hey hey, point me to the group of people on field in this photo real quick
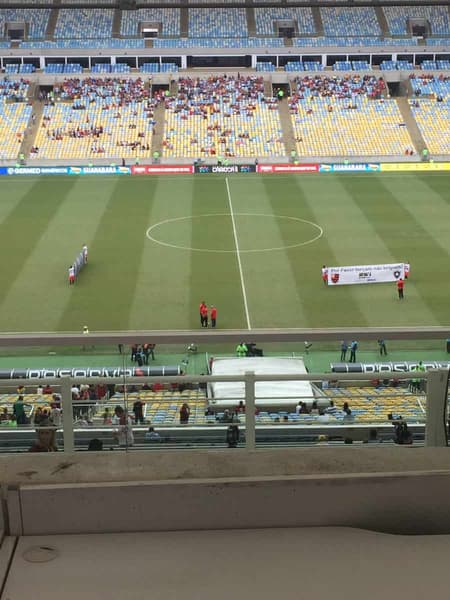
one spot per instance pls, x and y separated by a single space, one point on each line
207 314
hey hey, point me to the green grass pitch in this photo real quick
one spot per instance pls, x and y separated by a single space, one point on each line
274 280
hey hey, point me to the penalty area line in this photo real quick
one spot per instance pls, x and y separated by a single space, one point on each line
238 254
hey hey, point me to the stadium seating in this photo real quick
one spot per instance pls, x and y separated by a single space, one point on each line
37 19
317 42
97 118
342 65
88 43
15 114
220 22
168 17
265 66
431 110
339 21
84 23
394 65
243 42
397 17
331 117
265 19
222 117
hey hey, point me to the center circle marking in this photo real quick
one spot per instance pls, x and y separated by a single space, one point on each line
151 229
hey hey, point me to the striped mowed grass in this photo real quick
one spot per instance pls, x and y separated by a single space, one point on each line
252 245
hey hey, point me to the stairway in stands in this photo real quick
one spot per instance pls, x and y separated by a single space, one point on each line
286 125
251 22
318 23
184 22
158 136
382 21
32 128
51 25
411 124
117 21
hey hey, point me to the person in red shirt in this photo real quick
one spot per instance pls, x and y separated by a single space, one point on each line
203 314
213 316
400 286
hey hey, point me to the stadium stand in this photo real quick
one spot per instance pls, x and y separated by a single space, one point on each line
431 110
339 21
397 18
36 19
221 22
396 65
97 118
15 113
316 42
94 23
243 42
222 116
168 17
331 117
266 18
162 408
88 43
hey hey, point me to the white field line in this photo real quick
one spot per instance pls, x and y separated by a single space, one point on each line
238 254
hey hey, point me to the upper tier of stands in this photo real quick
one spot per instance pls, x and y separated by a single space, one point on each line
227 27
97 117
332 116
397 18
265 19
342 21
431 110
37 19
84 23
220 22
15 114
168 17
222 116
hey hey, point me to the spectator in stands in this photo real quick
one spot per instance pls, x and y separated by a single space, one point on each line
185 412
332 409
138 410
21 390
240 408
346 409
106 416
55 413
124 433
402 434
152 436
19 412
314 408
4 416
95 445
48 389
38 416
46 438
323 416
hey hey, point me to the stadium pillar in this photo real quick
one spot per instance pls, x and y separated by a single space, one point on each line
249 410
67 413
436 415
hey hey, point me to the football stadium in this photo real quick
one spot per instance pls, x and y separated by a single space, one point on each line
225 241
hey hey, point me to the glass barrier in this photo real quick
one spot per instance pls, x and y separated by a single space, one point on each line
147 396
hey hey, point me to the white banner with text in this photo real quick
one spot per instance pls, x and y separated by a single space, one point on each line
365 274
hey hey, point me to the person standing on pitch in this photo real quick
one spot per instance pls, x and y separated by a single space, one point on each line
213 315
325 275
407 267
344 348
382 346
85 253
204 314
353 349
400 286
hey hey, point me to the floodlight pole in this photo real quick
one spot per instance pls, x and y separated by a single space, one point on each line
250 434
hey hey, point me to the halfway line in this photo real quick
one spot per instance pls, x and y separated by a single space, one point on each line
238 254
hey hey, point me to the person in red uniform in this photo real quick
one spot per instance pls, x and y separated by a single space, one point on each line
400 286
213 316
203 314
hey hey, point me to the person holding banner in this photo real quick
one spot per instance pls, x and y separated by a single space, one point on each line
71 275
325 275
407 266
400 286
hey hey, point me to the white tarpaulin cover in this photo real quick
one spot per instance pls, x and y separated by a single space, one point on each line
267 392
